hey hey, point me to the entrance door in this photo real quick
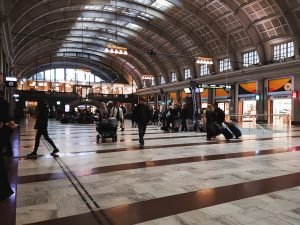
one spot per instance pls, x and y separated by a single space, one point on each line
282 110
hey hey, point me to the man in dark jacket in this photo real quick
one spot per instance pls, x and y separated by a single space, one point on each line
41 125
141 115
219 115
5 189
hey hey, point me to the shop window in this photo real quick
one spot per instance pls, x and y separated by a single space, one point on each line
224 64
204 70
187 74
283 51
250 58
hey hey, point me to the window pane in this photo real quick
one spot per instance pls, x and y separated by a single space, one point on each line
60 74
70 74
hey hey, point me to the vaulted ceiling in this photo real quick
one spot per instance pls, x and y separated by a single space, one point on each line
42 34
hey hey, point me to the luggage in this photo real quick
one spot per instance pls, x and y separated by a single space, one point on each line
235 130
189 124
226 131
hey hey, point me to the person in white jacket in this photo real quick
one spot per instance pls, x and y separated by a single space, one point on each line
117 112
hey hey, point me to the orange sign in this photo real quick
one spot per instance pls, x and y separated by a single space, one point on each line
284 84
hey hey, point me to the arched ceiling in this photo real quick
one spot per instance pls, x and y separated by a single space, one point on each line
41 33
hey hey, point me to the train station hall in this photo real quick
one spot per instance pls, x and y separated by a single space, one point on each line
150 112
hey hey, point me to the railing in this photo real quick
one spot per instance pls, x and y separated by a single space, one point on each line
36 94
114 97
260 125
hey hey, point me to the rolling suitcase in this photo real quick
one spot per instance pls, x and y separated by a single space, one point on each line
235 130
226 132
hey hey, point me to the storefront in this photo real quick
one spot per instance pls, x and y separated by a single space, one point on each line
247 102
221 97
204 98
279 100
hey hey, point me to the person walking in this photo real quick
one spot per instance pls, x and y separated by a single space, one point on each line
41 125
218 114
141 115
117 112
5 189
103 113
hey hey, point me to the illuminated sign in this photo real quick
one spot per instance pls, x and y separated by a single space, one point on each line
11 81
215 86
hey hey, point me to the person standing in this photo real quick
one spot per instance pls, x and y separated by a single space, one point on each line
183 116
141 115
41 125
5 189
209 122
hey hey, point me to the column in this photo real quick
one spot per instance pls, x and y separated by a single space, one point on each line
295 115
261 102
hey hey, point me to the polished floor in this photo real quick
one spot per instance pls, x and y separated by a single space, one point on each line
177 179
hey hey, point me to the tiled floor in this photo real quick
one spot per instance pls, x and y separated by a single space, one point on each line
178 179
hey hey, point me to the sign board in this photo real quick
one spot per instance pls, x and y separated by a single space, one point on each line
11 81
215 86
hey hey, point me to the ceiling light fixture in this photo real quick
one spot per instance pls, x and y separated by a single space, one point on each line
116 49
200 59
204 60
147 77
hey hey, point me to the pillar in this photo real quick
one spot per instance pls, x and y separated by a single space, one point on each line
261 102
295 115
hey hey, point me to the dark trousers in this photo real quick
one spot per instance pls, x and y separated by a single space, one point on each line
5 188
183 125
38 136
142 130
5 133
209 130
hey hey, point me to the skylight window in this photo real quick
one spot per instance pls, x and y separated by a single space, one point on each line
84 19
147 15
101 20
133 26
130 12
103 38
109 8
93 7
162 5
144 2
119 23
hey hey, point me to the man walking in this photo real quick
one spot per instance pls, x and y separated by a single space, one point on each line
141 115
41 125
